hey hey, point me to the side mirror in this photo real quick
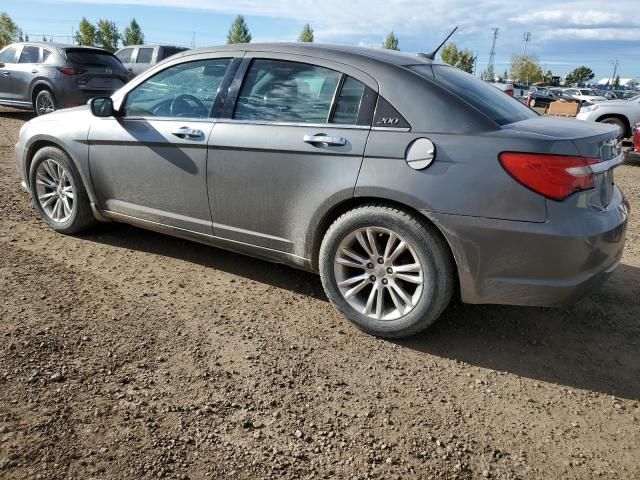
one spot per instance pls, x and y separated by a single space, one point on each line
101 107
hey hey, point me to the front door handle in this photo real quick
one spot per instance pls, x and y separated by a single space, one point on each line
186 132
321 139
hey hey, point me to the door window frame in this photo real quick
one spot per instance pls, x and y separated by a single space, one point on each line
367 103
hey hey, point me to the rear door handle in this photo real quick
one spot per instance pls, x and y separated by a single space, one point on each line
186 132
34 71
321 139
6 74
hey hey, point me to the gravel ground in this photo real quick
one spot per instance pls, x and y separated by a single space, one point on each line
127 354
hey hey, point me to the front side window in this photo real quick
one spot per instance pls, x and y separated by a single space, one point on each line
125 55
501 108
29 54
186 90
8 55
283 91
144 55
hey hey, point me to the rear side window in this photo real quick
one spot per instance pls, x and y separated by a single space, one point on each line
502 109
45 55
144 55
8 55
169 51
93 58
283 91
125 55
348 104
30 54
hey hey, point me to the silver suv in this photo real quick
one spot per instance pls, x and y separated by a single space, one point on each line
46 76
138 58
400 180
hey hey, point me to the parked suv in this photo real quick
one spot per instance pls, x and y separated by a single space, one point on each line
48 76
138 58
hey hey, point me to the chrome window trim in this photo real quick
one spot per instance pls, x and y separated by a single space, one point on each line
294 124
391 129
172 119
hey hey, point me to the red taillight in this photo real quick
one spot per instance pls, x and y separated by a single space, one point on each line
509 92
554 176
71 70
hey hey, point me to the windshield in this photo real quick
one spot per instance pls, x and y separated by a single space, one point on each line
494 103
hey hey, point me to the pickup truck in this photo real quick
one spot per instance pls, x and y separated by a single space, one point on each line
138 58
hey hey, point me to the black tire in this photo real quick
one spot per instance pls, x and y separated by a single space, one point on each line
44 103
81 217
428 244
618 122
532 103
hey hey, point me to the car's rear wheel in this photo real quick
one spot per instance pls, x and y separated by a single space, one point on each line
44 102
386 270
533 102
58 192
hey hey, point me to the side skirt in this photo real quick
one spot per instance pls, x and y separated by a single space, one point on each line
224 243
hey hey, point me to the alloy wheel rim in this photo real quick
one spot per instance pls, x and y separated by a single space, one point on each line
54 191
45 104
378 273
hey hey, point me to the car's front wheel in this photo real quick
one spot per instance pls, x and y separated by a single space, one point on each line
388 271
44 102
58 192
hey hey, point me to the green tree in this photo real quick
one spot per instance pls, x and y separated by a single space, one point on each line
579 75
107 35
548 76
86 34
525 69
132 34
9 30
239 31
306 35
616 82
462 59
391 42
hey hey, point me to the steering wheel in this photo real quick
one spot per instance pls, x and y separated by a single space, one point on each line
184 104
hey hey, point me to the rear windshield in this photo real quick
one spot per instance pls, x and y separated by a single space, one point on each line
494 103
93 58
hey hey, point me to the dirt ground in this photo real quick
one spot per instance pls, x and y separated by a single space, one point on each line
127 354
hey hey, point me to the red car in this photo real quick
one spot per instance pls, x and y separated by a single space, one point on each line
635 151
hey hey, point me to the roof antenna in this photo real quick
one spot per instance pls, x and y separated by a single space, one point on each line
432 55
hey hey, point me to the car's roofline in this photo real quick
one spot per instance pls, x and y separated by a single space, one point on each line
320 50
153 45
60 46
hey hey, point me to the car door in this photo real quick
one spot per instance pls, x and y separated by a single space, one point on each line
8 58
25 72
125 55
290 144
143 60
149 162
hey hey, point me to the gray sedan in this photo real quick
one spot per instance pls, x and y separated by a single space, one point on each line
402 181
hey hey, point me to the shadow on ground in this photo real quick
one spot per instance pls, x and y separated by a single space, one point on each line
17 114
593 345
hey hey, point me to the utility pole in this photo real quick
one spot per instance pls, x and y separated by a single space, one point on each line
526 39
492 53
615 70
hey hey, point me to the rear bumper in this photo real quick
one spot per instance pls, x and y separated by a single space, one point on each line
538 264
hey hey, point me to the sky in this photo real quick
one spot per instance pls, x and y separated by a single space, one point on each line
564 35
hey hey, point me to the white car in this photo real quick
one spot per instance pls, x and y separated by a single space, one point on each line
623 113
585 95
